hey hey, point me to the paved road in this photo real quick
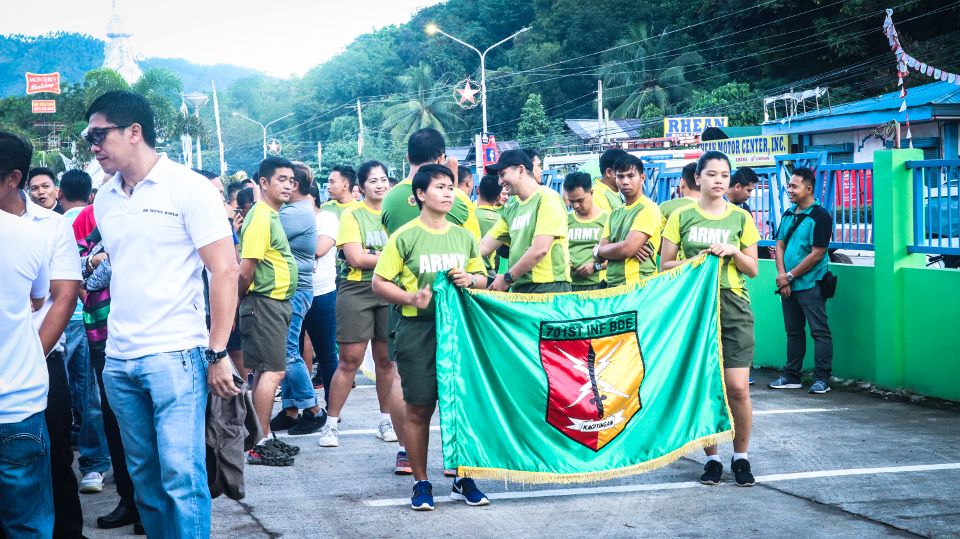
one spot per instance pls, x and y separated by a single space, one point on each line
840 465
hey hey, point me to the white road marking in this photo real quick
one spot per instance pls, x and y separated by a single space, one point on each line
554 493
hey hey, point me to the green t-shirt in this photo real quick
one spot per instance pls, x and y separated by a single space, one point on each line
487 216
695 230
543 214
337 208
641 216
415 254
399 208
583 236
605 198
262 239
668 207
361 224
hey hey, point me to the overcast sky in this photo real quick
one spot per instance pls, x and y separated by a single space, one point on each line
279 37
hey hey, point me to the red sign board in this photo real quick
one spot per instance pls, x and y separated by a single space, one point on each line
44 106
38 83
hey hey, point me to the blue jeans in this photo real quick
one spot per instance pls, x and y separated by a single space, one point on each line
85 397
26 490
297 387
160 402
321 325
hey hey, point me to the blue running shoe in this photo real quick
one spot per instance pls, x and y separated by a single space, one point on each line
751 380
782 382
466 489
820 387
422 499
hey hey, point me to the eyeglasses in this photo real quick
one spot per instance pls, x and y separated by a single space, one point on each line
96 135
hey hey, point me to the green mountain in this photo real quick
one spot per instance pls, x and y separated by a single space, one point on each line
74 54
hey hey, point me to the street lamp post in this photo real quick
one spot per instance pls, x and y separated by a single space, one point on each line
264 127
434 29
197 99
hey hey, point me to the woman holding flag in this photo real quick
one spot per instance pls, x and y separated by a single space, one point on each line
719 228
409 264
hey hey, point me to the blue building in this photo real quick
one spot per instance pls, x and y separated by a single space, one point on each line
849 132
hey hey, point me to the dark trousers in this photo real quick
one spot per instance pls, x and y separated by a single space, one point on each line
112 430
800 308
68 517
320 324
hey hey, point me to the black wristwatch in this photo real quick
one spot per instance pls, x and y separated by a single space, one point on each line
597 266
213 357
508 277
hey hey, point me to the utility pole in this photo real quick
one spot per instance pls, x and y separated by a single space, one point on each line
216 115
360 122
600 130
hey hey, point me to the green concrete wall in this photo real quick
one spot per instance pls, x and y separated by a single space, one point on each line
851 314
894 324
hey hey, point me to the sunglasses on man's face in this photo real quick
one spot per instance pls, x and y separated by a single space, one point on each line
96 135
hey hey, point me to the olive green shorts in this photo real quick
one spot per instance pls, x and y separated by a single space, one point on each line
361 315
541 288
588 287
736 330
264 324
416 353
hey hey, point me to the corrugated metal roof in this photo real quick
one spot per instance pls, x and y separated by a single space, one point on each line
616 129
936 93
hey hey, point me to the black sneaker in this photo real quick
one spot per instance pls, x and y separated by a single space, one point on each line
308 423
282 422
712 473
269 454
284 447
741 472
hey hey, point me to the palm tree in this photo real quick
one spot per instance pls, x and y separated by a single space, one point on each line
162 89
640 73
430 105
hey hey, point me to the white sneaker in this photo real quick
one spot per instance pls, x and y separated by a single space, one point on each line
329 437
385 432
91 483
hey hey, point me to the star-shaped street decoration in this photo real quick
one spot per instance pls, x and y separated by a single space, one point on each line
468 94
274 147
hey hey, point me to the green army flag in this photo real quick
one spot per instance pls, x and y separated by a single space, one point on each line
584 386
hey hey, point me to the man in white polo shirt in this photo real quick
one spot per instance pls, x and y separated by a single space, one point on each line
161 224
49 321
27 508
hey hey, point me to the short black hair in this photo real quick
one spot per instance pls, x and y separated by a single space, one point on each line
689 176
233 188
127 108
608 159
806 176
578 179
206 173
315 193
712 155
365 170
489 188
248 180
531 153
744 176
346 171
424 176
392 181
626 162
76 185
270 165
463 172
245 197
304 178
15 154
41 171
425 145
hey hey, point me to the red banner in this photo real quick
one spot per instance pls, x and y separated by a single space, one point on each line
44 106
38 83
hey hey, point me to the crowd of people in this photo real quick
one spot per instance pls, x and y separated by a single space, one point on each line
128 308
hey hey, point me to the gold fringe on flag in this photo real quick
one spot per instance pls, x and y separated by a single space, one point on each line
589 477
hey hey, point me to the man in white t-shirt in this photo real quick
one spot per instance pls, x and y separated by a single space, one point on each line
25 474
321 320
161 224
49 321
